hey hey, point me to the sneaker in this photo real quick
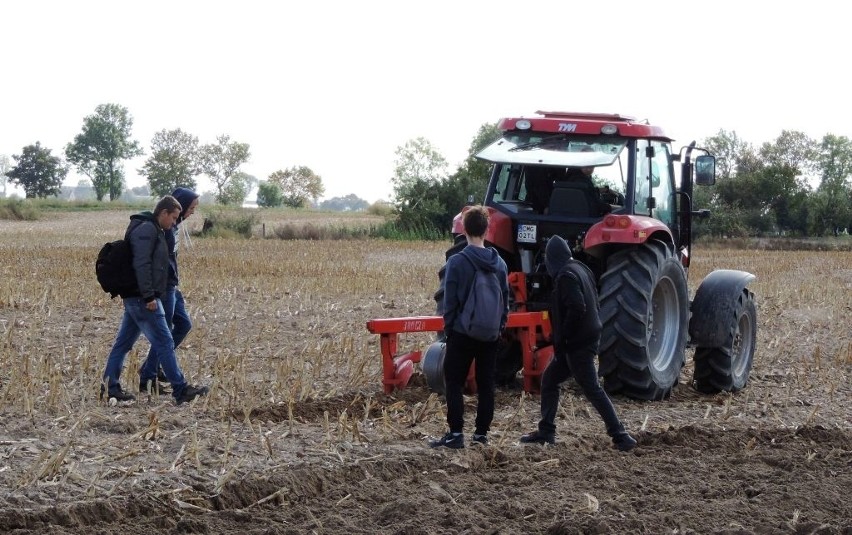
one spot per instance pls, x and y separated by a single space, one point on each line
479 439
537 437
157 388
624 442
191 392
118 394
450 440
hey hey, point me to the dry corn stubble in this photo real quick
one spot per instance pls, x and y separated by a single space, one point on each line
279 332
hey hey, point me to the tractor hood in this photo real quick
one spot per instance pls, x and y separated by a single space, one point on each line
553 149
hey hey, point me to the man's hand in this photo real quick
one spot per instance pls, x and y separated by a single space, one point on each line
151 305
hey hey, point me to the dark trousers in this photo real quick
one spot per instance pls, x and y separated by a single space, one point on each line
462 350
579 363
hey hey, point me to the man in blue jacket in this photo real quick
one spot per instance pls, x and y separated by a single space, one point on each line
462 349
150 373
143 310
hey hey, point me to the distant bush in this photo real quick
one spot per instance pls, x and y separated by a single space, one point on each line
226 223
310 231
381 208
388 230
18 210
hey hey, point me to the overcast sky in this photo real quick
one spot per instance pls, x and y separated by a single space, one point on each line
338 86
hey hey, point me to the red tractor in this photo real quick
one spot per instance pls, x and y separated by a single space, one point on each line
630 220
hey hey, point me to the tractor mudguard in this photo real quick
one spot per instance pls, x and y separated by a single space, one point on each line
714 304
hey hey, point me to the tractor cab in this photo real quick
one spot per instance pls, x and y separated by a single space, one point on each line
571 175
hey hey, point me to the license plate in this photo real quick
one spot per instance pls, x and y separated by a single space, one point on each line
526 233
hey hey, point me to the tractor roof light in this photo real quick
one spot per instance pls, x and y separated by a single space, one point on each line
523 124
609 129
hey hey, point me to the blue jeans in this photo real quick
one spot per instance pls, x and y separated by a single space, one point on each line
178 321
138 320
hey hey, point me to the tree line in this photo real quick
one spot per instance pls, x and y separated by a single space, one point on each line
176 160
792 186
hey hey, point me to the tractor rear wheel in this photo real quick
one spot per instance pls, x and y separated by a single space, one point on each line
726 368
644 306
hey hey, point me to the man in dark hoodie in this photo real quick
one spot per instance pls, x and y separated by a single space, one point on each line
461 349
576 335
143 310
150 373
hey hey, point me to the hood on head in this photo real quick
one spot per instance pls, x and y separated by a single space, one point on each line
184 196
556 255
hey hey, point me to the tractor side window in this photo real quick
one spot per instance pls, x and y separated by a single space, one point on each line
509 186
654 180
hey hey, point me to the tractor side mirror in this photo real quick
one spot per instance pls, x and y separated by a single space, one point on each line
705 170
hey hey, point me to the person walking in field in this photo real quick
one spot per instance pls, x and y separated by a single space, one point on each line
151 376
576 337
476 297
143 309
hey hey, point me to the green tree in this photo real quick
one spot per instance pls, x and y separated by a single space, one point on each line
174 162
39 173
419 171
728 149
5 165
831 206
471 179
98 151
269 195
236 190
299 185
221 162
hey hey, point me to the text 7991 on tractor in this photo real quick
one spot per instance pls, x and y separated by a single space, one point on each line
633 229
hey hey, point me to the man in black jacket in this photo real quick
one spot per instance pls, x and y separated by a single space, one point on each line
576 337
143 310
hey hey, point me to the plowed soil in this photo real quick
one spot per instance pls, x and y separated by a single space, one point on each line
297 436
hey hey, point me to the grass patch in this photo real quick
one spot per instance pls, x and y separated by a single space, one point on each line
18 210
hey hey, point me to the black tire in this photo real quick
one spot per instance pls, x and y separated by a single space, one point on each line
432 365
727 368
510 360
644 310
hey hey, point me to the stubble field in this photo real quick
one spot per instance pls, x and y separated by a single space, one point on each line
297 437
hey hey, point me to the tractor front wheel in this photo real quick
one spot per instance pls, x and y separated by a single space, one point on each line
726 368
644 306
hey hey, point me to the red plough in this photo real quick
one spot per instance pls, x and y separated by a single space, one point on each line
531 329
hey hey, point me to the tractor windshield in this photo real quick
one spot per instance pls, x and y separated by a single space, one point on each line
553 149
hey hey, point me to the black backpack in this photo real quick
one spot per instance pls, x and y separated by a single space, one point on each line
114 269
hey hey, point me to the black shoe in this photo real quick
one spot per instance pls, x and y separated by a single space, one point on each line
624 442
157 388
479 439
117 393
537 437
191 392
450 440
161 377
